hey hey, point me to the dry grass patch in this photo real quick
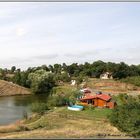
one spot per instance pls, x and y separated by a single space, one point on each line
71 129
55 126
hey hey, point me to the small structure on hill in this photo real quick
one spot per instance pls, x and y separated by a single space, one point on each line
73 82
85 90
106 75
99 100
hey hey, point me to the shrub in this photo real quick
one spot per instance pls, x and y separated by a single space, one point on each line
132 80
39 107
57 100
61 99
89 107
126 117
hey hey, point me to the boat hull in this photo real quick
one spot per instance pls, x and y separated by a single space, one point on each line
75 108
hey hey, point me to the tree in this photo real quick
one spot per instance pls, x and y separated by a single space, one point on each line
65 77
133 70
51 68
98 67
111 67
126 117
121 71
44 67
17 78
57 68
72 68
24 79
13 68
2 74
64 66
41 81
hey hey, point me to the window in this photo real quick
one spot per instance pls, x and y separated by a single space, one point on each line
90 101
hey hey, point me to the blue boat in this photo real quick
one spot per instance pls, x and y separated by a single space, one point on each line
76 107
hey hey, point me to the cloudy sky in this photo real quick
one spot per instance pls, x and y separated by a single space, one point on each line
33 34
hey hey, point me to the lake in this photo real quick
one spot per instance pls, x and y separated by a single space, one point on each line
13 108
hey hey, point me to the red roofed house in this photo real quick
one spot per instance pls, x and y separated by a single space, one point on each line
99 100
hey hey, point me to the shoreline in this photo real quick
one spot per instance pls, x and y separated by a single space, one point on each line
15 94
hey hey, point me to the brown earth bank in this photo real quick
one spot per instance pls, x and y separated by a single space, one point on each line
9 89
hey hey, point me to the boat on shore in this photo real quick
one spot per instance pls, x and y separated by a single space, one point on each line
75 107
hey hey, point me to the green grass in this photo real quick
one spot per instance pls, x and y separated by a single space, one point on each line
96 113
49 120
65 89
63 123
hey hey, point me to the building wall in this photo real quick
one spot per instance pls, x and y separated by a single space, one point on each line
111 104
99 102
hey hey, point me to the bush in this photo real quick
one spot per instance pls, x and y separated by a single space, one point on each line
126 117
39 107
89 107
62 99
57 100
132 80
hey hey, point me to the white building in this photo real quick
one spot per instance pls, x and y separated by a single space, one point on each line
106 75
73 82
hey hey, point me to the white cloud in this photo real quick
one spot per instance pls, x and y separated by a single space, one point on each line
20 31
38 33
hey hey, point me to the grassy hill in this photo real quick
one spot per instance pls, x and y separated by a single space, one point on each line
8 89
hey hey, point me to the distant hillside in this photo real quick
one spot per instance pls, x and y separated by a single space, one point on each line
113 87
8 88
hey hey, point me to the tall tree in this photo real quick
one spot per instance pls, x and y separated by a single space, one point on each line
41 81
13 68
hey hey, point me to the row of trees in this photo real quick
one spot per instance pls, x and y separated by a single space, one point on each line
66 72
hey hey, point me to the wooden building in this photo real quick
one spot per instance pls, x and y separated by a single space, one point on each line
99 100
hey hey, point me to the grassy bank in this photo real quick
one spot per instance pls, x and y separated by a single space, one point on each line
63 123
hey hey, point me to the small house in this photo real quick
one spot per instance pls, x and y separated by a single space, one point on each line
73 82
106 75
99 100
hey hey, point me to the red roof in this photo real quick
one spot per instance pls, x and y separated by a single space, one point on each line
102 96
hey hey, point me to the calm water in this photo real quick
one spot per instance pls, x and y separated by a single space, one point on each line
13 108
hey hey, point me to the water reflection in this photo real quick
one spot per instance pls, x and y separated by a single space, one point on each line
13 108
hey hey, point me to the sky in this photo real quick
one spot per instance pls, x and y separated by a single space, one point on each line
37 33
